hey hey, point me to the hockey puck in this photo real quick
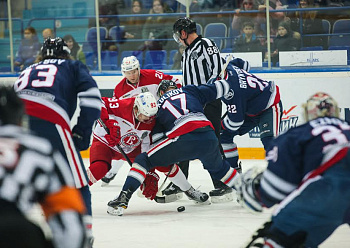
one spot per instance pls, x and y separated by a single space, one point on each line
181 209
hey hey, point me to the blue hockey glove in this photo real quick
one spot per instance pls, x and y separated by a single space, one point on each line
81 139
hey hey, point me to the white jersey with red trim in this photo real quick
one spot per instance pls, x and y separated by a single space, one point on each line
149 81
133 133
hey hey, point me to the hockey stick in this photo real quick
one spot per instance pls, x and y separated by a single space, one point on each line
222 73
158 199
118 146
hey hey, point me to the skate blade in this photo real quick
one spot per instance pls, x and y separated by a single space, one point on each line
103 184
223 198
115 212
207 202
168 198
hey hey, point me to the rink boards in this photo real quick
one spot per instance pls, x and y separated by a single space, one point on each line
295 88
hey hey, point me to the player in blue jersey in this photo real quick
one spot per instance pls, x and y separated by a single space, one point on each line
50 90
308 174
251 102
181 126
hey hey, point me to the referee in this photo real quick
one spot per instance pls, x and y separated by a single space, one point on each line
201 61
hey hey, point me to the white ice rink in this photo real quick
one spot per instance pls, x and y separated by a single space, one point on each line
149 224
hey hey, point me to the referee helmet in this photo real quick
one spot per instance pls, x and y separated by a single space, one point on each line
183 23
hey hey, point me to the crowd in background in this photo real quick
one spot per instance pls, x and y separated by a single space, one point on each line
245 21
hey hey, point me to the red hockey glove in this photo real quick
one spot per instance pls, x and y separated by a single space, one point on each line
113 137
149 187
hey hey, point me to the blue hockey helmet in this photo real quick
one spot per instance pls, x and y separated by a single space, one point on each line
164 85
55 48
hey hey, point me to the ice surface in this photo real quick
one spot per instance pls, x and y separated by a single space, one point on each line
149 224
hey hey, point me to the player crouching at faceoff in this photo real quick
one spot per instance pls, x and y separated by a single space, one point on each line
308 174
129 122
181 126
32 172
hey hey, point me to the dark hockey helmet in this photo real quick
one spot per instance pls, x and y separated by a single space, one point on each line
11 106
164 85
319 105
183 23
54 48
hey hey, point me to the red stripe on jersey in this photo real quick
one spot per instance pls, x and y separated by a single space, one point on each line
231 150
42 112
232 176
138 171
77 169
188 127
335 159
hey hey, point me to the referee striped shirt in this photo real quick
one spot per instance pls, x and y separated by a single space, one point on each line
201 61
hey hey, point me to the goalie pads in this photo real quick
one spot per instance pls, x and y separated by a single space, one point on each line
247 194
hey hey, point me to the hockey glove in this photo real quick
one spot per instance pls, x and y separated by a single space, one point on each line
113 138
81 139
149 187
247 194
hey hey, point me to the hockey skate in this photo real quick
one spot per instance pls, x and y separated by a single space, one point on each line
221 193
116 207
107 178
197 196
174 191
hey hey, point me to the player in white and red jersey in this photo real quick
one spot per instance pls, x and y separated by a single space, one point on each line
137 81
129 126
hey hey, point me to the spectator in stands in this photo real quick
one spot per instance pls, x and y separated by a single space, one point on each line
247 41
108 7
75 50
157 28
240 18
275 17
133 25
311 24
48 32
28 49
283 42
178 57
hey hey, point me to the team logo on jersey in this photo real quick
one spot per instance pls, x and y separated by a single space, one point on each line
194 55
130 140
144 135
144 89
229 95
289 120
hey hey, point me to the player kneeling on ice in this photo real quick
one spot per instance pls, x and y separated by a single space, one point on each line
308 174
180 126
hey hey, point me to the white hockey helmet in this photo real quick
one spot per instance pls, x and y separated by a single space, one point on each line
319 105
130 63
146 104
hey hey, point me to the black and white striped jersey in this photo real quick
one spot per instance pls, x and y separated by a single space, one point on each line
200 61
31 172
28 168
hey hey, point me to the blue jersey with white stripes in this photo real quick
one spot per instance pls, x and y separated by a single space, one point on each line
302 153
248 95
51 88
181 110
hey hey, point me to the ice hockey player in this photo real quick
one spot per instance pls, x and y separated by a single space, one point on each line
135 81
251 102
50 90
308 175
129 122
32 172
181 126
